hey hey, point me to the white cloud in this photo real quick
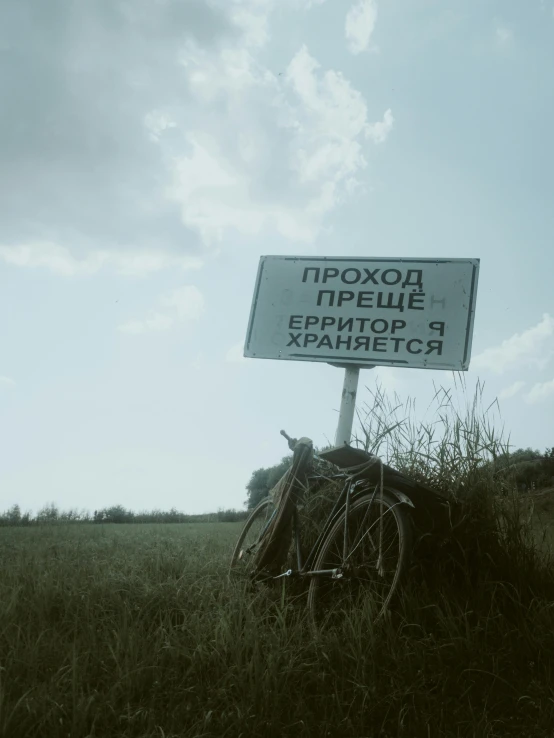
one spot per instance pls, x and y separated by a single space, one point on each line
511 391
360 24
157 122
533 347
379 131
6 381
62 262
235 353
504 35
289 150
541 391
252 17
185 304
156 322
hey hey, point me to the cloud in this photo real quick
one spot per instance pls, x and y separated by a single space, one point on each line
183 305
77 165
62 262
533 347
379 131
150 127
360 24
289 150
6 381
511 391
503 35
186 302
541 391
235 353
156 322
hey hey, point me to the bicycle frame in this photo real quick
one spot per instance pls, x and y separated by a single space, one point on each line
343 501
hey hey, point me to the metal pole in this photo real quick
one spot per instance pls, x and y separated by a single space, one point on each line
347 405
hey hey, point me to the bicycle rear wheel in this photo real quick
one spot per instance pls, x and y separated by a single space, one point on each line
242 560
367 583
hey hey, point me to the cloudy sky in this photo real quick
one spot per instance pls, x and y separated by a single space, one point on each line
152 150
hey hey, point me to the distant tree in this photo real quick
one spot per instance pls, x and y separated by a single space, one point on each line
230 516
14 515
48 514
527 467
257 487
118 514
263 480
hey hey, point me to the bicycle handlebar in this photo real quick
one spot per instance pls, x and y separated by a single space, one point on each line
292 441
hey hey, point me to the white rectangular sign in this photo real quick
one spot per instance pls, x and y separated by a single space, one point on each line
388 312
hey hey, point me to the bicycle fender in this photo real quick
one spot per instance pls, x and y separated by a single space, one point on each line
400 496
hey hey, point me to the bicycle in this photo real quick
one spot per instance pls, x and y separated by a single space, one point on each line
364 547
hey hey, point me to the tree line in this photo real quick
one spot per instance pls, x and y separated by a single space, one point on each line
51 514
527 469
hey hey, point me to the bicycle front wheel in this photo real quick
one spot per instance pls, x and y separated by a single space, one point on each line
376 558
242 560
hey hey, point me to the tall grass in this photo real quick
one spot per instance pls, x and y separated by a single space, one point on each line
450 447
133 631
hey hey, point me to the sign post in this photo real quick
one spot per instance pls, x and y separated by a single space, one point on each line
361 313
347 405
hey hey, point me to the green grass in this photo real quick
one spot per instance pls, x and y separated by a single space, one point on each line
131 630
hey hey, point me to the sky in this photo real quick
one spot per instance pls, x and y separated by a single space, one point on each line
152 150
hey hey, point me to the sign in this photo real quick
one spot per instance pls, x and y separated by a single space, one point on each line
414 313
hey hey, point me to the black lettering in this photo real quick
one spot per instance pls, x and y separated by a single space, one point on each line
325 342
345 324
331 294
383 323
364 299
397 278
390 301
361 342
345 296
370 276
415 299
397 342
344 341
418 280
414 340
397 325
437 325
434 346
357 276
330 273
315 270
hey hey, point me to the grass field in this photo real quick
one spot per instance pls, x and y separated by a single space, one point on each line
131 630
